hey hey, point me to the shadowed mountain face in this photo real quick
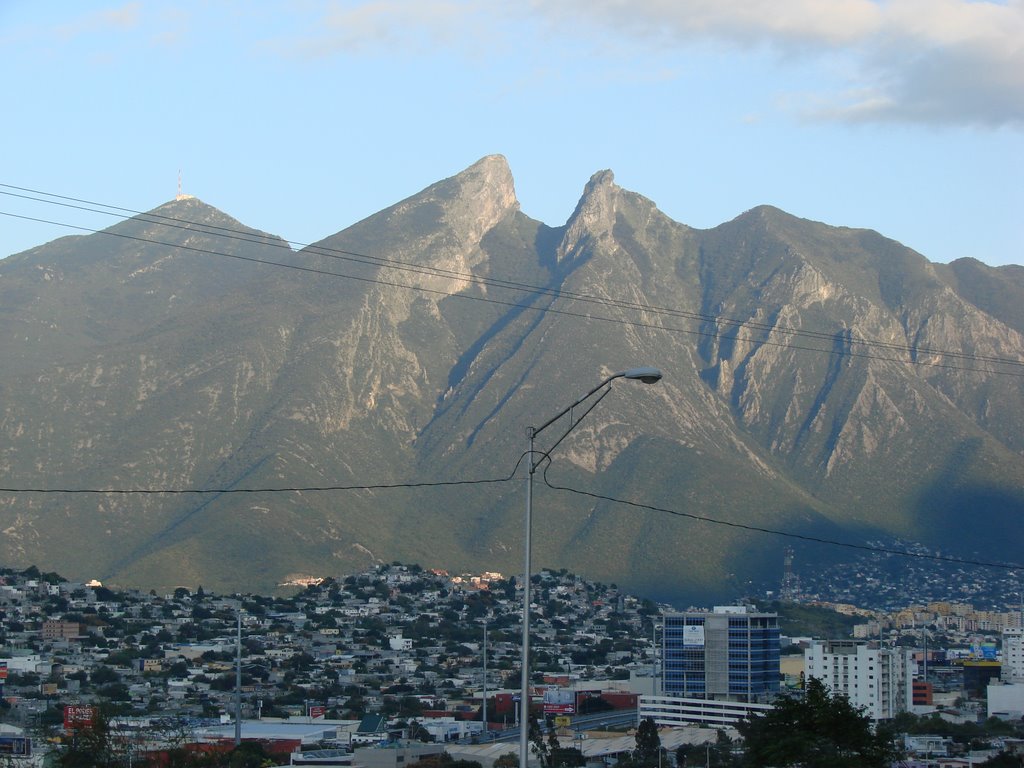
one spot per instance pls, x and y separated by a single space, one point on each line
818 380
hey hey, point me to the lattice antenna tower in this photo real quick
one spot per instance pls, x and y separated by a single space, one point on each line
790 585
181 195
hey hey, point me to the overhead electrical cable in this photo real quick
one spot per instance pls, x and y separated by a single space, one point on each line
841 336
352 256
274 489
785 534
545 458
833 339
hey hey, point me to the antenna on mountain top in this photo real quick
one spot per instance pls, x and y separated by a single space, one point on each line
790 584
181 195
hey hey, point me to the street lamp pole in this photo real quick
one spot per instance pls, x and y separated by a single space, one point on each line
238 681
645 375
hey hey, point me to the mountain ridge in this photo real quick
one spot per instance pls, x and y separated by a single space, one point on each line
818 380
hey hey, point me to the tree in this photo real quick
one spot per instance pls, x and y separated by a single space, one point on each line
96 746
418 733
552 754
567 757
648 745
539 747
101 675
818 729
249 754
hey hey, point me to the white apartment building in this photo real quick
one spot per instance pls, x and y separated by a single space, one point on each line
875 679
1013 655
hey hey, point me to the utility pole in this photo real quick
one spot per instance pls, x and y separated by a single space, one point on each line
654 658
238 680
924 631
487 730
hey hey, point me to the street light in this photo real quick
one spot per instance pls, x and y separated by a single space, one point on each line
647 376
238 680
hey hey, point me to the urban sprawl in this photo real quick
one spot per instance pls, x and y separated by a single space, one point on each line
400 663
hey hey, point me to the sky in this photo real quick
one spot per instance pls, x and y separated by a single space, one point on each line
302 117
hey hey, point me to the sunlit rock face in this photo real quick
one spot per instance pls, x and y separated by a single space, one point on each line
818 379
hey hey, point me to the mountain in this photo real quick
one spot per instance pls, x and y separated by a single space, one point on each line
823 381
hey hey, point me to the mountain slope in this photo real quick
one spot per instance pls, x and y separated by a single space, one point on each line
819 380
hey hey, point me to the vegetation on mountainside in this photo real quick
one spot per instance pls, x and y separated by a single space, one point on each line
799 620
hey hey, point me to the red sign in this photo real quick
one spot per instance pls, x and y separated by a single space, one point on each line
317 711
78 716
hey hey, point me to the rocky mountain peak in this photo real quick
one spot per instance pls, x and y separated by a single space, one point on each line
594 216
478 197
598 201
184 217
190 208
452 214
819 380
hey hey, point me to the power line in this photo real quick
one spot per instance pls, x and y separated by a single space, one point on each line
834 339
276 489
360 258
509 478
784 534
539 291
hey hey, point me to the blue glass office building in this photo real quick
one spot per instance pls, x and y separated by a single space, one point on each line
728 653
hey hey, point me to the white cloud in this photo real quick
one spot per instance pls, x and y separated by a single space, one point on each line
122 18
740 21
395 26
958 62
922 61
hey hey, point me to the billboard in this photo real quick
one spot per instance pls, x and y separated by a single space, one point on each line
16 746
693 635
78 716
559 701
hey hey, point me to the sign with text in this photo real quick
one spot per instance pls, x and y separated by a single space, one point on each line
561 701
77 716
693 635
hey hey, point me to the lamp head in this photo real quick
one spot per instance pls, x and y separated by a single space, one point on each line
646 375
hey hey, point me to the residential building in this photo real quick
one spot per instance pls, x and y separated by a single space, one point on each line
61 630
1005 700
1013 655
875 679
922 693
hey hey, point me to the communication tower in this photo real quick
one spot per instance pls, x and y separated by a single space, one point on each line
790 584
181 195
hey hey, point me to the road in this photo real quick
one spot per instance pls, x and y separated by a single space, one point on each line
618 718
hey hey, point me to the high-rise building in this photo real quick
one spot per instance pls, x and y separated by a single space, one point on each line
1013 655
875 679
730 653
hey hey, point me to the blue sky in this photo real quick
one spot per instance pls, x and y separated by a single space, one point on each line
301 117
